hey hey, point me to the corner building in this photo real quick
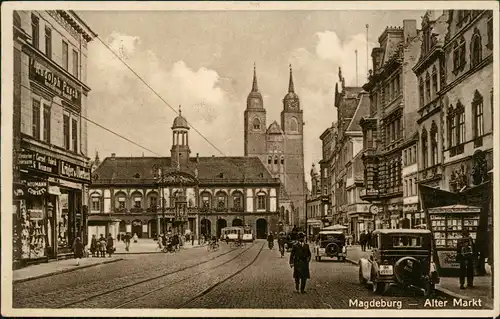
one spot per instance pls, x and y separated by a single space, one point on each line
50 173
149 196
280 147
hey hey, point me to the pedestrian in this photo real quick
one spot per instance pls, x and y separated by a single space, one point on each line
94 246
192 240
281 244
102 246
362 241
135 238
369 240
299 261
466 253
118 237
78 249
110 245
126 240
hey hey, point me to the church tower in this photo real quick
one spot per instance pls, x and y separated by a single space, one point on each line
255 122
180 142
292 125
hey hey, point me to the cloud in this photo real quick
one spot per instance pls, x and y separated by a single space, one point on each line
123 103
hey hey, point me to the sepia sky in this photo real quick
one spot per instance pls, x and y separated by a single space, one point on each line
203 60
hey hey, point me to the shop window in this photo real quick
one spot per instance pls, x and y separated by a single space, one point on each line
36 119
476 48
35 31
261 201
66 132
46 123
63 221
48 42
65 52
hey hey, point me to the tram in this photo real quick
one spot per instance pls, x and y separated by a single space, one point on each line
247 234
233 233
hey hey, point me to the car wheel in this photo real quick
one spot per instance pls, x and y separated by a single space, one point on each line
362 279
378 287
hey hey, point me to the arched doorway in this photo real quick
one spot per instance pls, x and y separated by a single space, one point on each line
137 228
206 227
153 228
221 223
237 222
261 228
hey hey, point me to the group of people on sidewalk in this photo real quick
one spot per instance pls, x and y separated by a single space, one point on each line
98 247
365 239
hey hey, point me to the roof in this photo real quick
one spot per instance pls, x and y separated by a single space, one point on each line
352 91
363 110
139 170
274 128
458 208
180 122
402 231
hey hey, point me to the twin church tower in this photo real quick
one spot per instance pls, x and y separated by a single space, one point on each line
280 147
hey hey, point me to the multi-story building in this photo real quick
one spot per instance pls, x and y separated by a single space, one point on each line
148 196
352 105
391 126
280 147
50 157
314 204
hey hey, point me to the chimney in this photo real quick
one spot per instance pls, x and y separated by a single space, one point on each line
197 157
409 30
213 156
113 156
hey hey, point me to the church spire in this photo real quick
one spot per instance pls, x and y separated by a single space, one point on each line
290 85
254 85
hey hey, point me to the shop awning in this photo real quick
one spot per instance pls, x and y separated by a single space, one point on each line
100 218
455 209
314 222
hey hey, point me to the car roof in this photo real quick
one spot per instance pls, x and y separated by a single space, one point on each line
330 232
402 231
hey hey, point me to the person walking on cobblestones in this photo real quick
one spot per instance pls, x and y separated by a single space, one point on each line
299 261
466 253
110 245
362 240
126 240
78 249
369 240
102 246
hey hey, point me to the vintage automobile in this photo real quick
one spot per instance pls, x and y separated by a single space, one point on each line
401 257
330 243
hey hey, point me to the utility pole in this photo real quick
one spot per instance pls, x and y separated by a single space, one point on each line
356 51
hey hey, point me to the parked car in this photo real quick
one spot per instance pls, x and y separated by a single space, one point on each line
401 257
330 243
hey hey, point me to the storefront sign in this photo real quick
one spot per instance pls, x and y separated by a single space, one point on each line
51 80
35 188
37 161
35 214
54 190
74 171
447 259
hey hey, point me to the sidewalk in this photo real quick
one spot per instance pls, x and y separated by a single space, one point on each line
145 246
58 267
448 285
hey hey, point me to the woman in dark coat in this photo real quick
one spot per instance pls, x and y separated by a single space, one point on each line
299 261
110 245
78 249
94 246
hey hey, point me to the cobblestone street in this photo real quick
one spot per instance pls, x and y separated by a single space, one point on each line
248 277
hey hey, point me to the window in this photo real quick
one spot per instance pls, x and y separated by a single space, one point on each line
275 160
421 92
427 88
36 119
65 60
121 203
282 161
74 135
424 148
153 201
434 82
396 81
269 160
96 203
206 201
48 42
477 109
476 49
452 127
137 202
66 131
237 201
261 201
46 123
35 31
256 124
490 32
461 124
75 63
459 54
405 192
221 200
294 126
434 144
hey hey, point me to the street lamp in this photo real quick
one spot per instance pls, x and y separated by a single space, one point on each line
160 181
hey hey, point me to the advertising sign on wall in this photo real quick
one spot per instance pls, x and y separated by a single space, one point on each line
74 171
28 159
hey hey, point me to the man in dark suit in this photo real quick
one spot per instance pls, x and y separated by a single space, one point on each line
466 255
299 261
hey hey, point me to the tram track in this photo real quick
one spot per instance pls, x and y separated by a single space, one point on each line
142 301
135 284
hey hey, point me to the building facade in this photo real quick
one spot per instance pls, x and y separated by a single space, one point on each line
314 205
149 196
390 129
280 147
51 172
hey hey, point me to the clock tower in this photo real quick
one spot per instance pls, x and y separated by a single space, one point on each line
255 122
